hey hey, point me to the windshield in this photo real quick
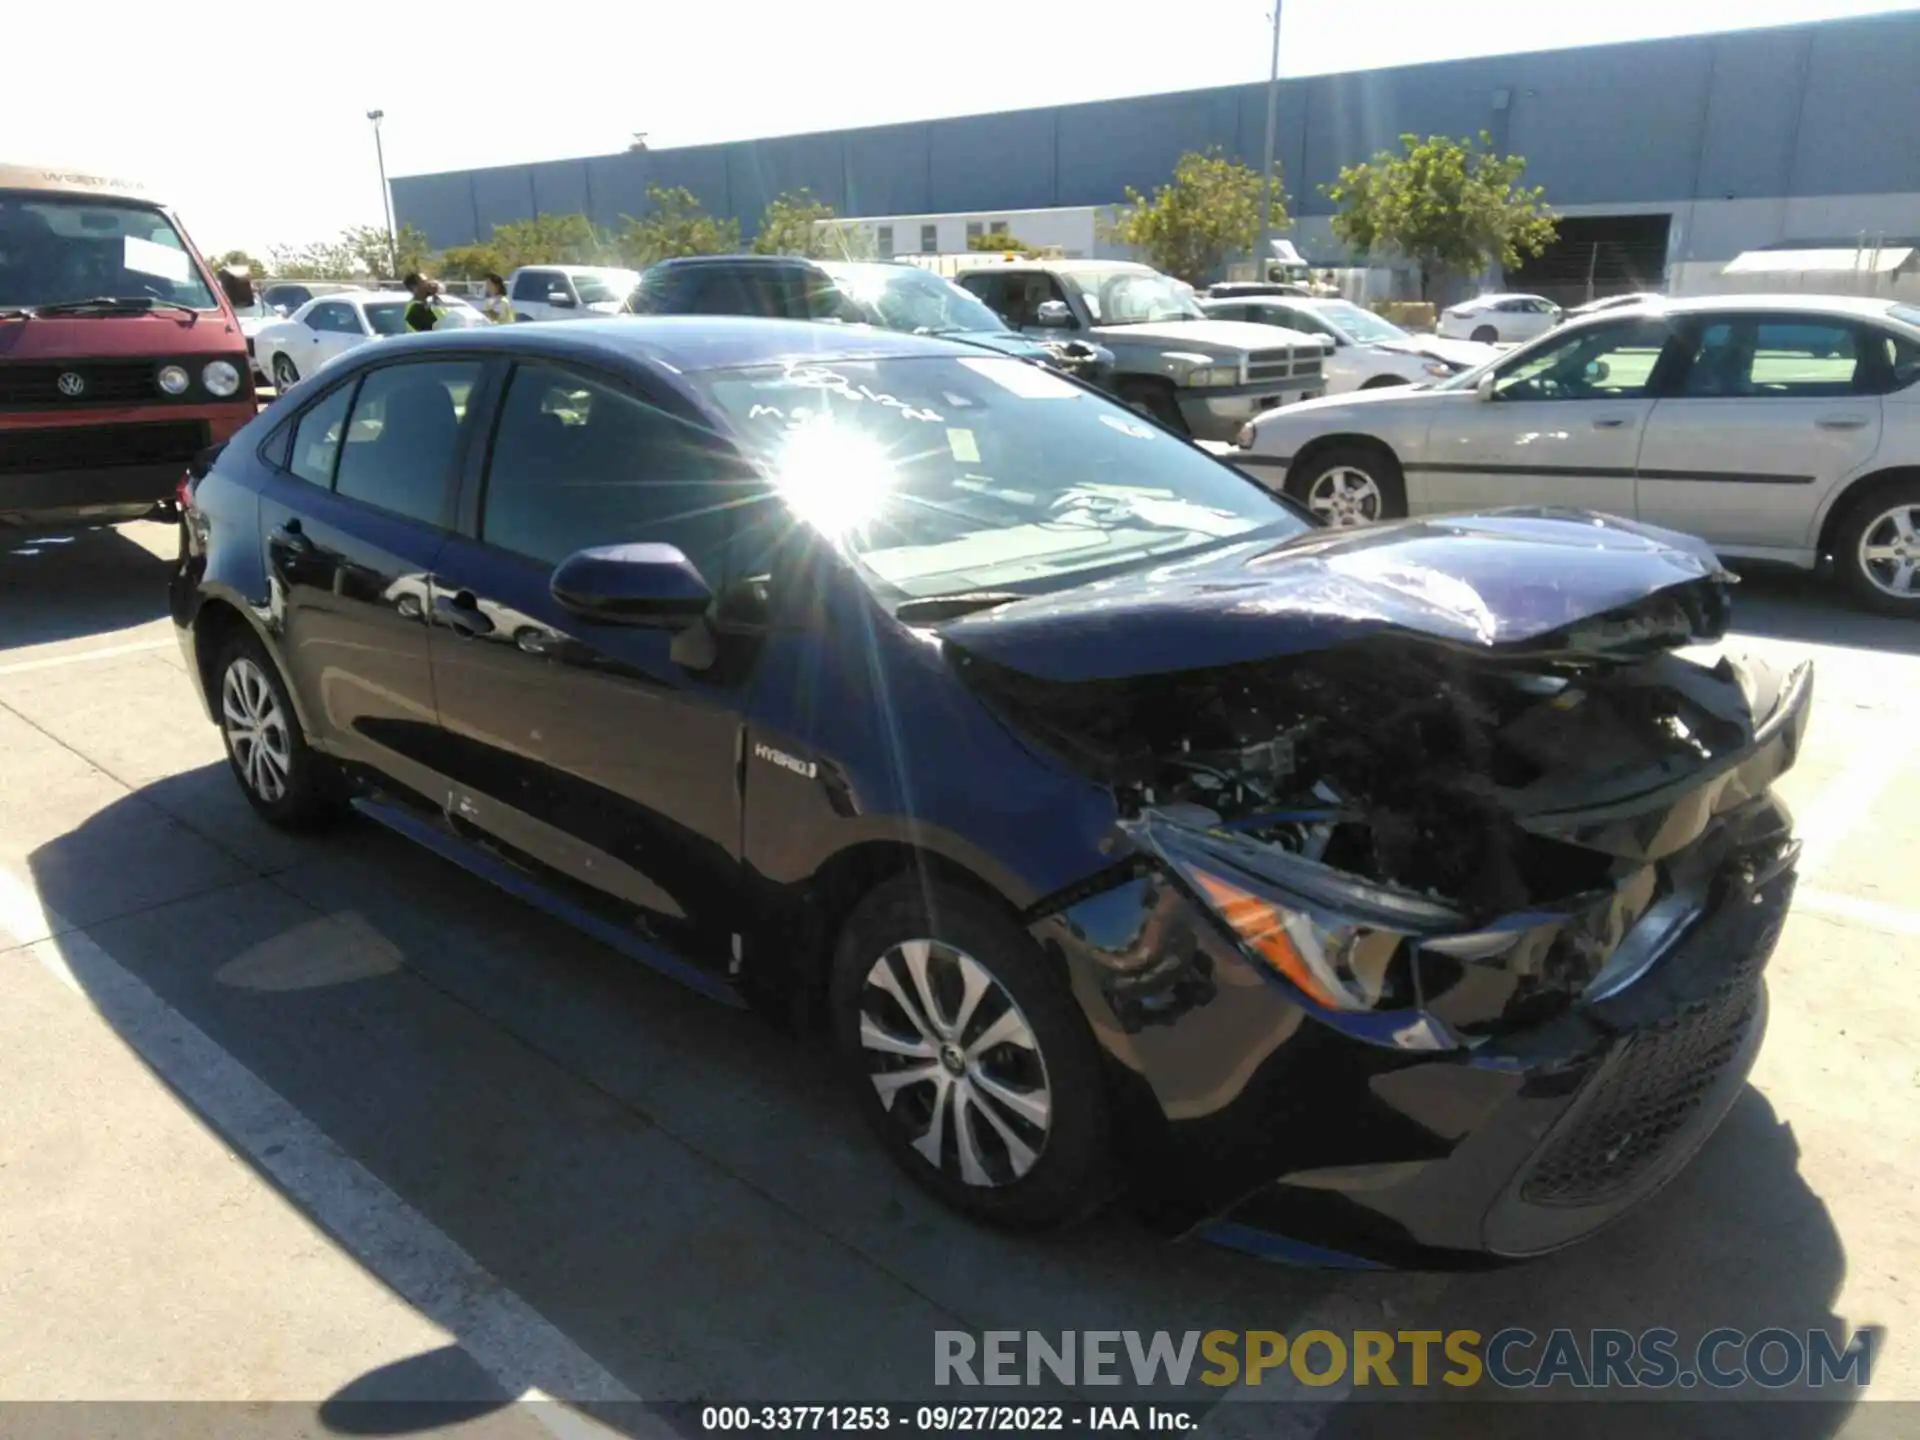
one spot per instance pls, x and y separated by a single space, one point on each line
598 289
904 297
1363 327
941 475
58 250
1133 297
388 317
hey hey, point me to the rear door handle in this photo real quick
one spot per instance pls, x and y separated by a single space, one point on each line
291 537
1609 422
462 612
1842 422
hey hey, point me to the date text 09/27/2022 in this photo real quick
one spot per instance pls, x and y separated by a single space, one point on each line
948 1419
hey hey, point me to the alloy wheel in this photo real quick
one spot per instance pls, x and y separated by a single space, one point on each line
1344 496
955 1063
1890 552
256 730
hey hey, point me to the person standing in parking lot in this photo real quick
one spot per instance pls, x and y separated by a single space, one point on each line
425 311
496 307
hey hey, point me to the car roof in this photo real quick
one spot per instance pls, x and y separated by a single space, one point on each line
682 262
1855 305
688 344
1070 266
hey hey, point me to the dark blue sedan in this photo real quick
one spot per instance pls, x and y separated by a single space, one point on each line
1401 888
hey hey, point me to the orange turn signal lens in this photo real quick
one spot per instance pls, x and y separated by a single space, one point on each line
1263 927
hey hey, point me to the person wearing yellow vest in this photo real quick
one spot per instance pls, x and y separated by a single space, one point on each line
425 311
496 307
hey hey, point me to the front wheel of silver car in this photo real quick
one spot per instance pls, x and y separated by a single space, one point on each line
279 773
1878 549
969 1056
1349 485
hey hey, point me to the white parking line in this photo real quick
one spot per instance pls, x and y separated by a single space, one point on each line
1838 806
518 1347
77 657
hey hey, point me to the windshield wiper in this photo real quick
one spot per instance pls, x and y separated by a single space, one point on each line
113 302
951 607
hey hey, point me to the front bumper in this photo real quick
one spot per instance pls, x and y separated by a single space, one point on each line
1513 1111
1218 414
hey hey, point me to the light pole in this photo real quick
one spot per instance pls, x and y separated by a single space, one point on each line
1265 248
386 196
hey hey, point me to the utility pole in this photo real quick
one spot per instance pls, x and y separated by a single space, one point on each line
1265 250
386 195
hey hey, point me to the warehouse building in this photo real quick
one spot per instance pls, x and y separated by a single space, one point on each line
1667 158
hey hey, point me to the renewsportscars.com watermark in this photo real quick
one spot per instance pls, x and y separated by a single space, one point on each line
1513 1359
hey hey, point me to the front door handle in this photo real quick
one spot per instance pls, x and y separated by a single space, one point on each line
462 612
291 537
1842 422
1609 422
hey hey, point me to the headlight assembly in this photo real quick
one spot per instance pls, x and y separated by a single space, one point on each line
221 378
1214 375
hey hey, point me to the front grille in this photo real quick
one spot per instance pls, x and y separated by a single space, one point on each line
1657 1083
1269 365
1307 366
101 447
36 385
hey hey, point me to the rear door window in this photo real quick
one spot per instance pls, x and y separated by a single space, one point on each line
1740 358
316 438
403 439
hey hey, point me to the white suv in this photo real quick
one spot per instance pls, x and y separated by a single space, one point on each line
1781 428
569 292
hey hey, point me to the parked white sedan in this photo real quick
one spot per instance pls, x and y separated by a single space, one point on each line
328 325
1780 428
1499 319
1368 352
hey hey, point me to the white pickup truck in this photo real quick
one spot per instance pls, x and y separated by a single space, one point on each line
569 292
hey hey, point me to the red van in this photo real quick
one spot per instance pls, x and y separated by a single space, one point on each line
120 357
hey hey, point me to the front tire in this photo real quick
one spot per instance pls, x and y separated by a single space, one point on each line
279 773
1485 335
1350 485
969 1057
285 377
1877 548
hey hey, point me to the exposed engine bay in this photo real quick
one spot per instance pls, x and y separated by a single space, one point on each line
1460 776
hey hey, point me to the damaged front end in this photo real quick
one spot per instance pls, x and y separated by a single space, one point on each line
1531 862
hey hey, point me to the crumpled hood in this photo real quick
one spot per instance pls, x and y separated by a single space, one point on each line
1213 337
1503 578
1006 342
1469 353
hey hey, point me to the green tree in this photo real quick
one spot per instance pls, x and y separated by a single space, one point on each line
1210 210
236 260
358 251
1003 244
322 260
792 226
540 240
674 225
1449 206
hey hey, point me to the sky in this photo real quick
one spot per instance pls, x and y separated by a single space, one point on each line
264 140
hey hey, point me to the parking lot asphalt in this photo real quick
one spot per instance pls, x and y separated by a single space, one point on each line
315 1120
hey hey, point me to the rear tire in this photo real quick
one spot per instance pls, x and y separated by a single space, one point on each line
1155 400
1348 485
985 1085
1877 549
1485 335
280 774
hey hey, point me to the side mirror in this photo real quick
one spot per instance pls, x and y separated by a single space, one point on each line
1054 315
1483 387
1598 371
560 298
648 585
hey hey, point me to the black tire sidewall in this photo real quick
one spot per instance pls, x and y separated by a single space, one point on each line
1378 465
310 797
280 363
1072 1177
1492 335
1846 550
1154 400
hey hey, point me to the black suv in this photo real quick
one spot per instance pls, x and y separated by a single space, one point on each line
894 296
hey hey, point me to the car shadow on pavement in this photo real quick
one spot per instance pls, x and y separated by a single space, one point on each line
65 584
681 1192
1787 604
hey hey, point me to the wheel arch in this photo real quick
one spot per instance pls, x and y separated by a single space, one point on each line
217 620
1847 496
826 901
1334 439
